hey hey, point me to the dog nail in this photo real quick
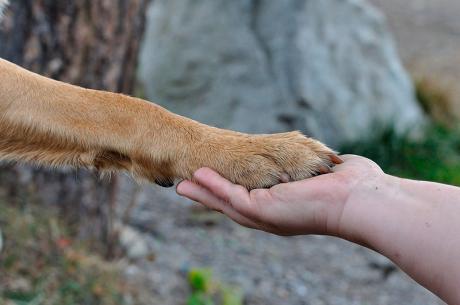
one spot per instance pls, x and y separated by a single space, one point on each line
336 159
285 178
165 183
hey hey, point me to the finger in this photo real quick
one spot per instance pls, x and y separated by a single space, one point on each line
234 195
221 187
200 194
347 160
347 157
197 193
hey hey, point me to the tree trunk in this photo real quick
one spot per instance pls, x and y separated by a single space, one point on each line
93 44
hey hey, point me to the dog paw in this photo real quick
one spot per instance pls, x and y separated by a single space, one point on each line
261 161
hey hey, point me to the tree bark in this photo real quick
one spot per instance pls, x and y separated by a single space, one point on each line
94 44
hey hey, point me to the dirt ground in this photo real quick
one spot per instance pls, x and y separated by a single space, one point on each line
427 33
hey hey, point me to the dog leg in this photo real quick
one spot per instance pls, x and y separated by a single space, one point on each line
51 123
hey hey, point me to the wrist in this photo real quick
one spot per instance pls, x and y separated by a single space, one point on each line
368 208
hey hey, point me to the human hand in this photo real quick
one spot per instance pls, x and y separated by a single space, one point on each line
312 206
413 223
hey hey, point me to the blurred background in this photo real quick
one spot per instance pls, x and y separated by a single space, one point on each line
376 78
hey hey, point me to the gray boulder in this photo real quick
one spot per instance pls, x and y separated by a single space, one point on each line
326 67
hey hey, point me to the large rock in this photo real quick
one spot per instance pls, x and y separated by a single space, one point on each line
326 67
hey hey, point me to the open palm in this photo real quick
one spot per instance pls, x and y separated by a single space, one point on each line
312 206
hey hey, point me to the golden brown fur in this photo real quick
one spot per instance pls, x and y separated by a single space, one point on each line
51 123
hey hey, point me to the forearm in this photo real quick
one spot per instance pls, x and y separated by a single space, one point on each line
415 224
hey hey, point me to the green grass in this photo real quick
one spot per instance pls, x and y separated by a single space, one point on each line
436 157
206 291
40 264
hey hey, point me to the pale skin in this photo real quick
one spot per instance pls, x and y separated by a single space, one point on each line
415 224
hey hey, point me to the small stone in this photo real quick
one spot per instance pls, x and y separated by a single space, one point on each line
133 243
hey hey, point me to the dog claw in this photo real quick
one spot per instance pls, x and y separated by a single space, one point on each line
336 159
285 178
325 170
165 183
